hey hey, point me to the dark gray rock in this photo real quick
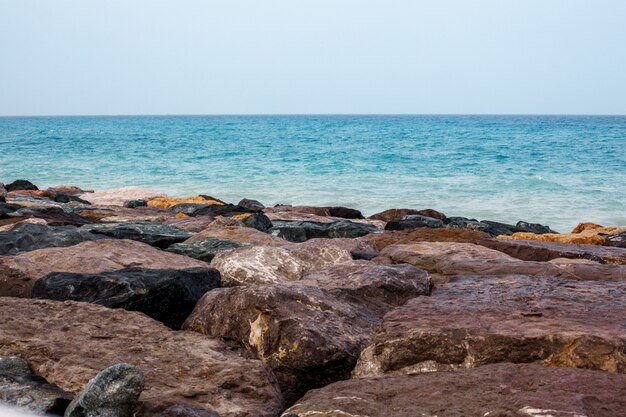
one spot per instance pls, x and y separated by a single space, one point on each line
2 199
300 231
617 239
205 250
344 212
136 203
225 210
154 234
114 392
53 215
25 237
166 295
186 411
258 221
413 221
188 208
21 388
7 209
3 191
20 185
533 228
348 229
253 205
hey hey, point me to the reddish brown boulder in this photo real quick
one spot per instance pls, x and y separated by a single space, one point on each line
19 273
191 224
392 215
233 229
68 343
424 234
498 390
473 321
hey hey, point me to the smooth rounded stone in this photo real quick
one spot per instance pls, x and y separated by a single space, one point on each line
186 411
191 224
476 320
258 221
533 250
413 221
152 233
397 214
303 231
381 240
20 388
114 392
271 264
69 342
205 250
136 203
166 295
24 237
307 336
53 215
119 196
498 390
252 205
18 273
233 229
171 202
379 287
20 185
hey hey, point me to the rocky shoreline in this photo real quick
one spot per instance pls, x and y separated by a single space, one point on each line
130 302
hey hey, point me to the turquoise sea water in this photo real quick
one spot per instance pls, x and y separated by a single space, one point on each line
548 169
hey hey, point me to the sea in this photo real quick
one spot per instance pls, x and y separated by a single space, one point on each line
553 170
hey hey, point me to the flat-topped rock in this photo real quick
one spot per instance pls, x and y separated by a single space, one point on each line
534 250
303 231
68 343
328 211
473 321
52 214
119 196
191 224
515 390
273 264
397 214
152 233
583 233
169 202
382 240
233 229
21 185
25 236
18 273
205 250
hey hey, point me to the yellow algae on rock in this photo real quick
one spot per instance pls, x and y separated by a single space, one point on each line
169 202
242 216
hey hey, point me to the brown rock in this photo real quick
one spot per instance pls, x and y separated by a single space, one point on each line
191 224
233 229
584 233
3 191
424 234
392 215
25 193
499 390
19 273
120 213
473 321
169 202
68 343
119 196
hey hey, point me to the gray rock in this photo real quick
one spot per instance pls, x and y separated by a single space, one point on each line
114 392
21 388
253 205
413 221
258 221
205 250
154 234
136 203
188 208
300 231
166 295
187 411
21 185
28 236
3 191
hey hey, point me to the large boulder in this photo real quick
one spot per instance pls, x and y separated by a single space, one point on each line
205 250
18 273
53 215
252 205
191 224
19 387
584 233
474 321
166 295
414 221
397 214
114 392
303 231
20 185
68 343
273 264
382 240
499 390
119 196
25 237
169 202
154 234
234 229
334 211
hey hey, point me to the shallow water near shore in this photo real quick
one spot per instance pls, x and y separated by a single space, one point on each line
553 170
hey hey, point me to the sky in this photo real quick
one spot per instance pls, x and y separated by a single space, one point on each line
82 57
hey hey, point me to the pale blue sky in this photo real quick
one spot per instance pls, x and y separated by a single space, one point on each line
312 56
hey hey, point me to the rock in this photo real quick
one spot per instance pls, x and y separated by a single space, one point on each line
186 411
136 203
226 210
233 229
68 190
14 222
397 214
19 387
3 190
114 392
498 390
166 295
414 221
154 234
335 211
119 196
533 250
53 215
381 240
533 228
120 213
169 202
267 264
24 237
191 224
252 205
303 231
617 239
69 342
258 221
308 337
20 185
188 208
18 273
205 250
2 199
34 194
8 208
474 321
584 233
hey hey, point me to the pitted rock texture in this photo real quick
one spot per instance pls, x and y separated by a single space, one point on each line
232 229
268 264
25 237
18 273
499 390
473 321
68 343
166 295
154 234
